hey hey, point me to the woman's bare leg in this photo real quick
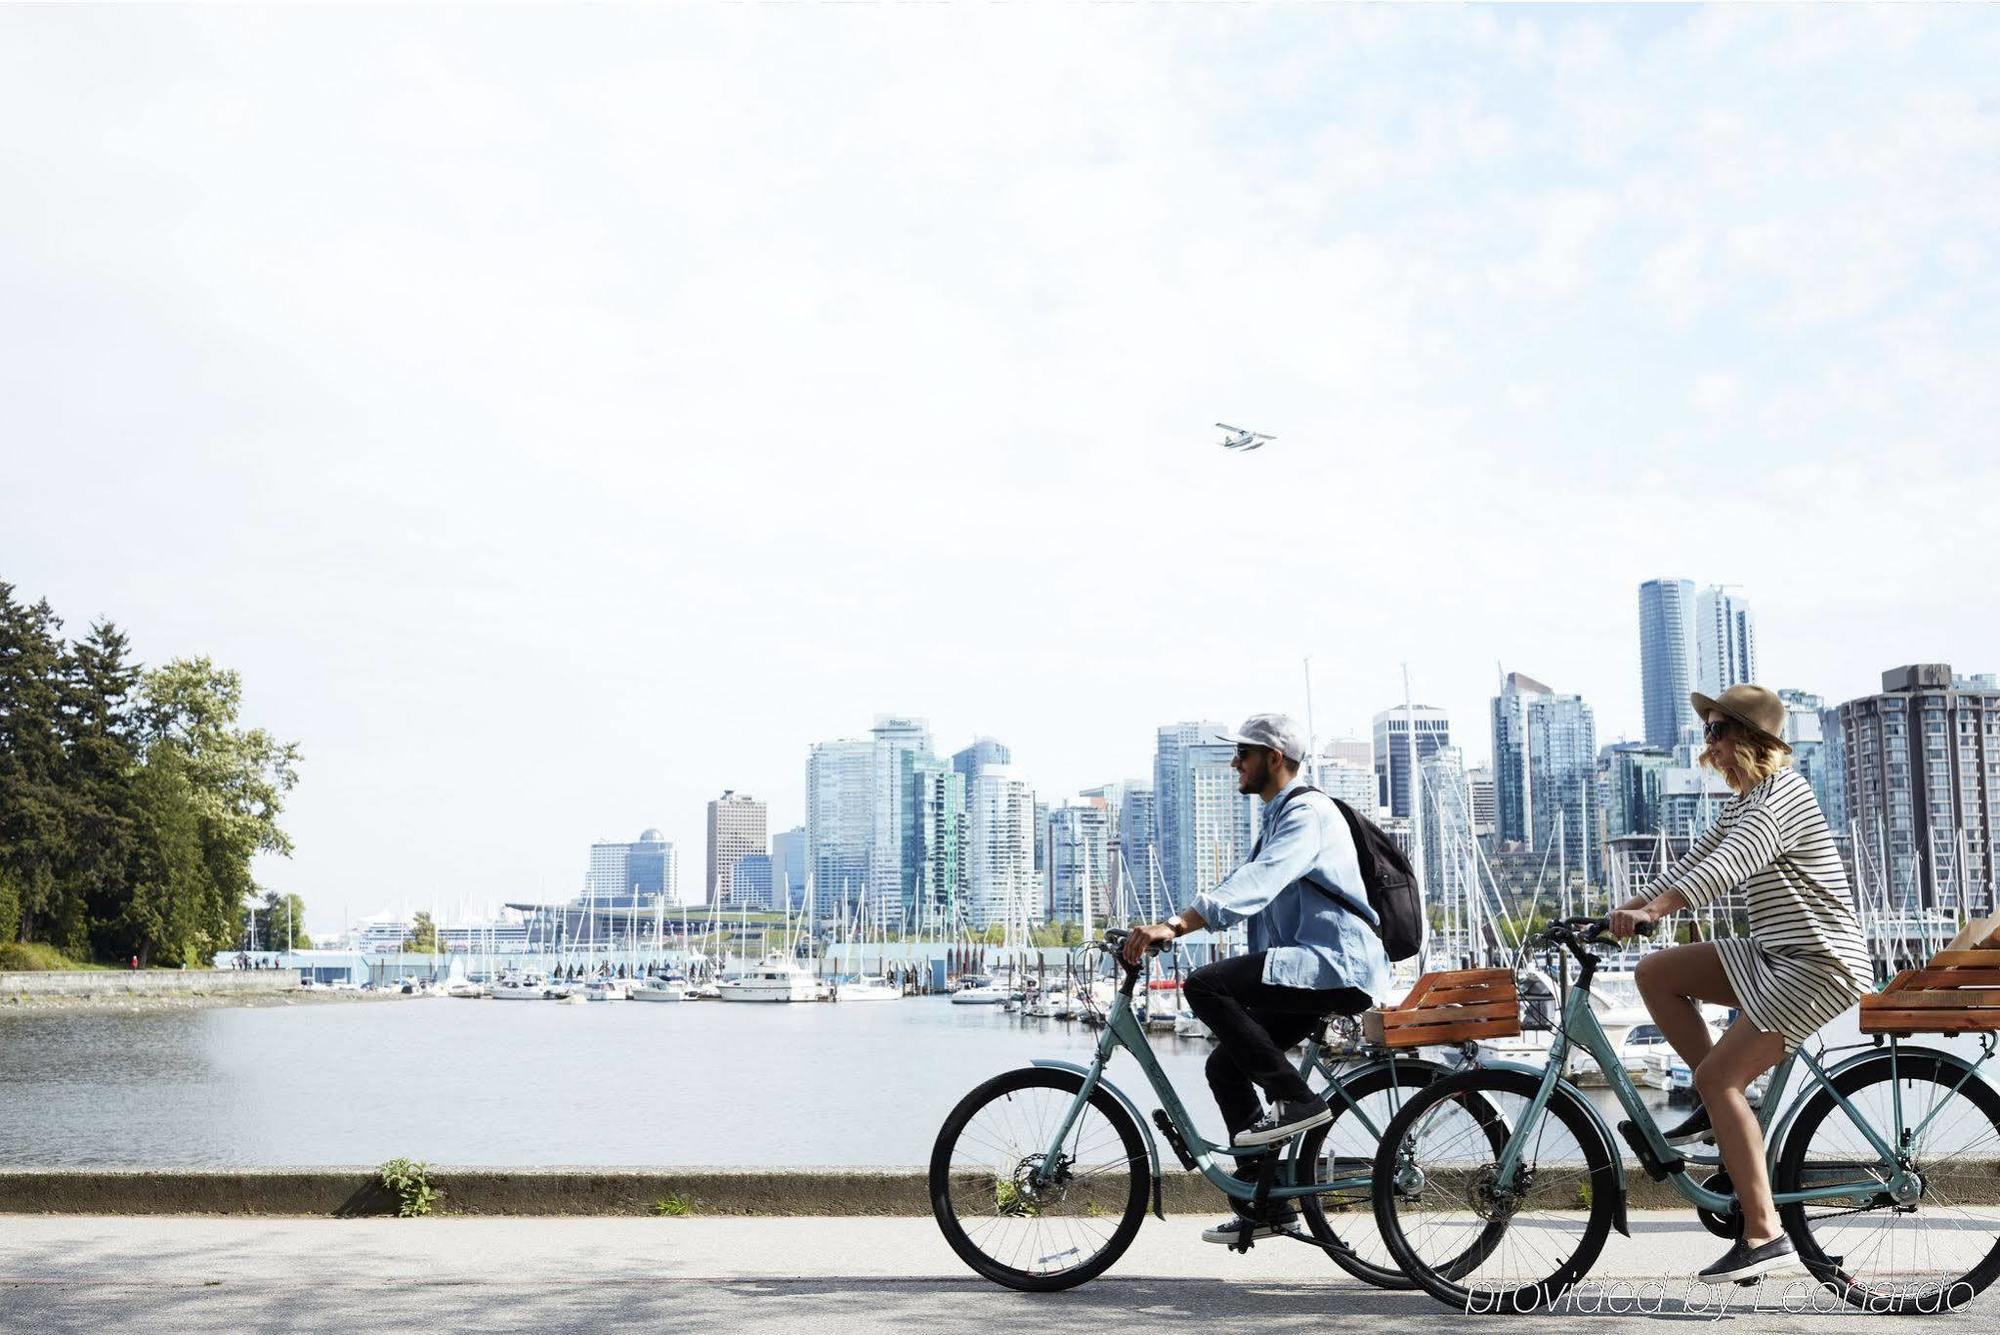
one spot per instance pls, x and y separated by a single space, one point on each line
1739 1057
1671 982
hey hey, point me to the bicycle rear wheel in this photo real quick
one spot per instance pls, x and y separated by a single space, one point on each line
1930 1253
1454 1230
1032 1235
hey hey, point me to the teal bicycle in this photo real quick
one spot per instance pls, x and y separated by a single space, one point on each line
1041 1177
1496 1188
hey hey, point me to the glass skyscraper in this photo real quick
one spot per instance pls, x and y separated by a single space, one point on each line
1667 642
1544 767
1392 750
840 822
1725 641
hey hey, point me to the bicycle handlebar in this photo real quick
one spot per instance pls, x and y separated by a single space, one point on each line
1114 941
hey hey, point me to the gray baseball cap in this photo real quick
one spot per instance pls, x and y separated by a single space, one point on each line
1280 732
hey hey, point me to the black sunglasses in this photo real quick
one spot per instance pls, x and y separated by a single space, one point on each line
1712 731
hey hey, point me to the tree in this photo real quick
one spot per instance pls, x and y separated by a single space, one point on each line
101 748
423 937
34 825
283 920
234 782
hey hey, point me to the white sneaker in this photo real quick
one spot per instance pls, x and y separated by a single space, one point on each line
1285 1121
1232 1232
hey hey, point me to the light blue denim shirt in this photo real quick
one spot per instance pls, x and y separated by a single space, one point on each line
1311 940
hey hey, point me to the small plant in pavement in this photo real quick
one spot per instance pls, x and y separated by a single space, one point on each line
409 1182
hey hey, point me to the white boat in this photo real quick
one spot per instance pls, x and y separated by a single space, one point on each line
465 988
1055 1003
1189 1025
606 989
672 987
975 990
867 987
778 977
527 986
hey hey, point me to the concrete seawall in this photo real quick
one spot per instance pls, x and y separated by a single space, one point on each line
118 984
554 1191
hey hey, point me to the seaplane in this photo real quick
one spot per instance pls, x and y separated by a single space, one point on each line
1239 439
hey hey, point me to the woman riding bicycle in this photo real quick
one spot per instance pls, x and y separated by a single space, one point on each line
1803 963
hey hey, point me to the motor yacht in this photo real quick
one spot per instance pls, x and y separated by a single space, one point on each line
778 977
667 987
867 987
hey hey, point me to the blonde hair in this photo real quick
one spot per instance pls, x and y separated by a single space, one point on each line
1755 759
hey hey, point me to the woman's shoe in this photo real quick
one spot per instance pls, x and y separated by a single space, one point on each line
1741 1264
1693 1129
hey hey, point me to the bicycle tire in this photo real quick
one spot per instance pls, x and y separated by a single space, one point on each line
1479 1093
1004 1087
1911 1068
1409 1074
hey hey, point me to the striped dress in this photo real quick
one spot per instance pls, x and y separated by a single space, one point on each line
1804 961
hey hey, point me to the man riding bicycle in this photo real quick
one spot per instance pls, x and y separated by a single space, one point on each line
1313 951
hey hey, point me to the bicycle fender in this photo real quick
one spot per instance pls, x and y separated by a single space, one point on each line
1145 1128
1565 1090
1834 1072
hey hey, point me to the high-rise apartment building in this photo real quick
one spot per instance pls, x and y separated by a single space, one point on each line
936 853
750 882
1633 773
1138 846
1922 788
1544 767
788 866
1812 757
1485 801
900 744
840 822
983 752
1081 860
1351 783
1392 750
1003 888
1725 640
1449 850
736 829
1171 801
646 869
1667 643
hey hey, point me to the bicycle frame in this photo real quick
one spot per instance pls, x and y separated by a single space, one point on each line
1580 1027
1122 1030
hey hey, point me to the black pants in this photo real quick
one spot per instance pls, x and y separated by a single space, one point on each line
1254 1022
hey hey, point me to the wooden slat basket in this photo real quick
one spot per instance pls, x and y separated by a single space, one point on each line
1957 992
1453 1007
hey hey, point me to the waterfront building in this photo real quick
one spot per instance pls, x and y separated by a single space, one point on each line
1138 845
1812 757
1922 789
1392 750
648 866
936 852
900 743
1725 640
498 936
750 882
1081 859
1218 823
1485 801
1449 851
1170 801
1632 773
1690 799
788 865
1041 840
1350 783
1544 768
840 822
1003 887
1667 645
737 827
1356 751
983 752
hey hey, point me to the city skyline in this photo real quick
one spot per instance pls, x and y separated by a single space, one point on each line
545 469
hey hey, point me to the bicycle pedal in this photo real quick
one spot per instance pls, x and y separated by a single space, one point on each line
1746 1283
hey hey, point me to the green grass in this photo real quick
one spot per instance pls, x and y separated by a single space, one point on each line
674 1205
34 957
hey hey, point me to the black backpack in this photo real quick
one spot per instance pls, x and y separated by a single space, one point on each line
1385 874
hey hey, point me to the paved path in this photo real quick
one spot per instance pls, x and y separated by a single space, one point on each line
828 1276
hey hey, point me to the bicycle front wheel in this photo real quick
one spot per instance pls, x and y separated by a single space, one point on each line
1342 1220
1451 1225
1934 1245
1018 1219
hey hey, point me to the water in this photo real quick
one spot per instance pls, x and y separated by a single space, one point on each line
506 1084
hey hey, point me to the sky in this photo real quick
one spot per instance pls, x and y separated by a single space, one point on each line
559 415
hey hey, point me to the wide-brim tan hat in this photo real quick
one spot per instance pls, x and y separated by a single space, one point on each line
1757 709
